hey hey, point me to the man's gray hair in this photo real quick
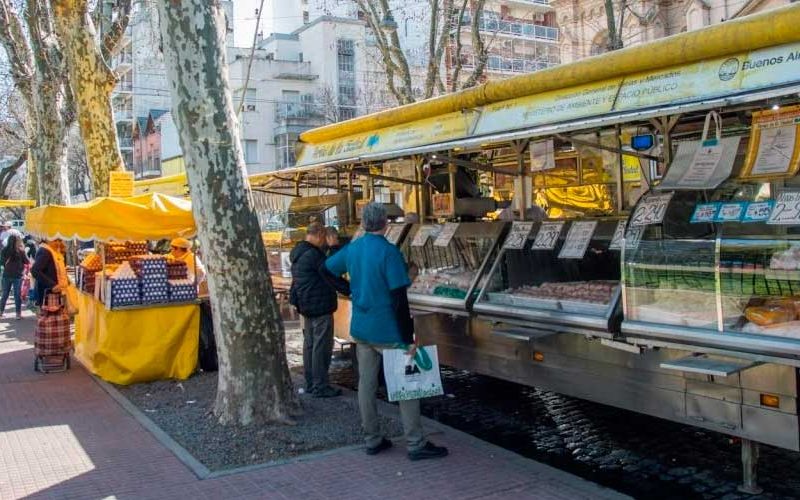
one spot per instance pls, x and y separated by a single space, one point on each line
374 217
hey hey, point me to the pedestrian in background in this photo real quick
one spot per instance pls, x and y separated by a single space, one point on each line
49 269
14 261
380 320
313 293
332 240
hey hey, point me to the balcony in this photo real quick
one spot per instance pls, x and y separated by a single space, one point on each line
299 112
125 142
525 30
507 65
122 61
123 114
125 86
537 5
292 70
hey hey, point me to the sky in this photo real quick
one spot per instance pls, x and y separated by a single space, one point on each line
244 18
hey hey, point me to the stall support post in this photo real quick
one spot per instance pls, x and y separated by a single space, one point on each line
664 125
522 203
422 208
750 453
351 204
621 171
451 170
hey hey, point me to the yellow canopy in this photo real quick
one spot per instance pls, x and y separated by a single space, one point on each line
150 216
17 203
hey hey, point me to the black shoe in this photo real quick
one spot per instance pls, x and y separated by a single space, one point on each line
327 392
385 444
430 450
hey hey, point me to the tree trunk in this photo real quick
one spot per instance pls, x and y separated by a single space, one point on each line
254 383
92 82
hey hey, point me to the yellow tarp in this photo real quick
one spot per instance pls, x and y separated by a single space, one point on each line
17 203
137 345
150 216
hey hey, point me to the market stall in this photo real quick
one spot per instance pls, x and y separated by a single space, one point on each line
139 316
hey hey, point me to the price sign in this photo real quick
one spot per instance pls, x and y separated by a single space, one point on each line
651 210
577 240
120 184
619 236
758 211
731 212
704 212
423 233
518 236
394 233
446 234
786 210
633 237
547 237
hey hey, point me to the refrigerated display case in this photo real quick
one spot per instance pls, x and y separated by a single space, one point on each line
446 262
726 285
564 276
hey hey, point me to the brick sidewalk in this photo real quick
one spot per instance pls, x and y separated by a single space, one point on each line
63 436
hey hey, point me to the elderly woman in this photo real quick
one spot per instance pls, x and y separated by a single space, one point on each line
49 269
380 320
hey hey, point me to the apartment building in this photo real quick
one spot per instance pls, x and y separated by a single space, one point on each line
142 85
584 27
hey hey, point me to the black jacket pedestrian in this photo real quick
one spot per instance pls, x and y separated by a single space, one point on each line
14 261
45 273
314 288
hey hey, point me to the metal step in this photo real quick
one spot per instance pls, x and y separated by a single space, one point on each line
706 365
518 333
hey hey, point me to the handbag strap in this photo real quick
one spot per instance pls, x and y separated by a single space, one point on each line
717 127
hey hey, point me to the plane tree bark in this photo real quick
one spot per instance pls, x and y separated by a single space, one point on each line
253 381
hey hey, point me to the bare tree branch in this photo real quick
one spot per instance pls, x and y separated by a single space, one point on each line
112 39
457 62
481 50
19 52
8 172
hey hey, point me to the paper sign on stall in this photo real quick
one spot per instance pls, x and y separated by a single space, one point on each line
446 234
786 210
651 209
120 184
577 241
619 236
423 233
704 212
547 237
633 237
518 236
543 155
394 233
758 211
774 149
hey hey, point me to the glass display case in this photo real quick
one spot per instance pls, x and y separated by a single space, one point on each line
562 274
446 261
716 273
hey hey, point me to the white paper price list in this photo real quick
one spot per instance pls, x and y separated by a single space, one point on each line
787 209
547 237
577 240
619 235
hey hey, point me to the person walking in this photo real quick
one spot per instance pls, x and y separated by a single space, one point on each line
14 261
49 269
313 293
332 240
380 320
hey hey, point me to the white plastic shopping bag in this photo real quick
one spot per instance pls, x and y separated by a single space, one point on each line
412 378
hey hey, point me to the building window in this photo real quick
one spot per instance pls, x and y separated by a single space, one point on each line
285 150
250 151
346 56
305 17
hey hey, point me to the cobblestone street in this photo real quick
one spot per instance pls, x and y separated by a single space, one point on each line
636 454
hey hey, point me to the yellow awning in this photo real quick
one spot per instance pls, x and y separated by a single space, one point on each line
172 185
769 29
151 216
17 203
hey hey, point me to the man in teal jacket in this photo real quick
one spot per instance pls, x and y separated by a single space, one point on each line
380 320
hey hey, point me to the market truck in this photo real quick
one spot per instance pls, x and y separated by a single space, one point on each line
653 259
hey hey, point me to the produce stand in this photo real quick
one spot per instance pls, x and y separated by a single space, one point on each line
136 335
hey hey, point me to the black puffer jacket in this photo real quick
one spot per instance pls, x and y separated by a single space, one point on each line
314 289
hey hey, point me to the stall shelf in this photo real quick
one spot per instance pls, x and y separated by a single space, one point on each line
729 286
557 274
449 261
132 344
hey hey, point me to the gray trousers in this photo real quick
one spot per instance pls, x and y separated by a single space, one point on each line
369 365
317 350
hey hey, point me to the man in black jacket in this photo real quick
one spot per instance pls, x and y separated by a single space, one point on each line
313 293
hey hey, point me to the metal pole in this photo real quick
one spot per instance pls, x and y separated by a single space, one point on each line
750 454
351 214
452 169
621 174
